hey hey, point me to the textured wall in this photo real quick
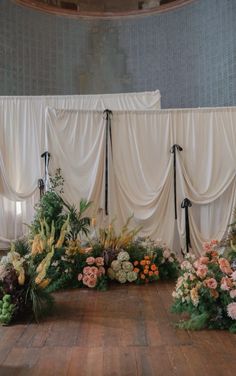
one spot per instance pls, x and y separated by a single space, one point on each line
188 53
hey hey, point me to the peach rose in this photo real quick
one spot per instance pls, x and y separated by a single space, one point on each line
226 284
99 261
202 271
92 282
90 260
85 280
204 260
211 283
101 271
87 270
225 266
94 270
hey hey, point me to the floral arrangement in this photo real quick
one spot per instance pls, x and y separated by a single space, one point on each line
146 269
20 291
206 290
121 269
56 256
93 274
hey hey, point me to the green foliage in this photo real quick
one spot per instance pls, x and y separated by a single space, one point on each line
38 299
196 322
78 222
102 284
21 246
50 209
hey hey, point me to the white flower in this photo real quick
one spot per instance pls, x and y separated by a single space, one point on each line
127 266
131 276
171 259
116 265
121 276
166 253
186 265
123 256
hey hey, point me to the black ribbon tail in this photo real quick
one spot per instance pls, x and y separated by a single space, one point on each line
173 150
41 187
46 155
108 115
186 203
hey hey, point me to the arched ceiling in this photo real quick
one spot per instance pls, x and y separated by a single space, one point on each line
102 7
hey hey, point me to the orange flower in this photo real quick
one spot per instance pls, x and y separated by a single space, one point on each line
150 273
214 294
136 263
156 272
143 262
148 262
136 270
153 267
146 257
145 271
142 276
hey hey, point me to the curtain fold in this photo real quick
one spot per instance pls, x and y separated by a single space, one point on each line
76 142
140 165
23 140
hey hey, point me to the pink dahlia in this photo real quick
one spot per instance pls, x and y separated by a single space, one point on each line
231 310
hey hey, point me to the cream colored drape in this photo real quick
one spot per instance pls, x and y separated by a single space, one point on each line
141 168
22 140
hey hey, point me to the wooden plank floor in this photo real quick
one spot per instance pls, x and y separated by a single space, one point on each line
125 331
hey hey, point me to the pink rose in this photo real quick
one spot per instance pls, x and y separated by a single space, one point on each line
99 261
204 260
226 284
93 275
80 277
214 242
202 271
86 280
94 270
101 271
90 260
207 247
87 270
231 310
232 294
211 283
225 266
92 282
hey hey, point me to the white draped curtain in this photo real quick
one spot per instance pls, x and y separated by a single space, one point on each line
141 168
140 163
22 140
